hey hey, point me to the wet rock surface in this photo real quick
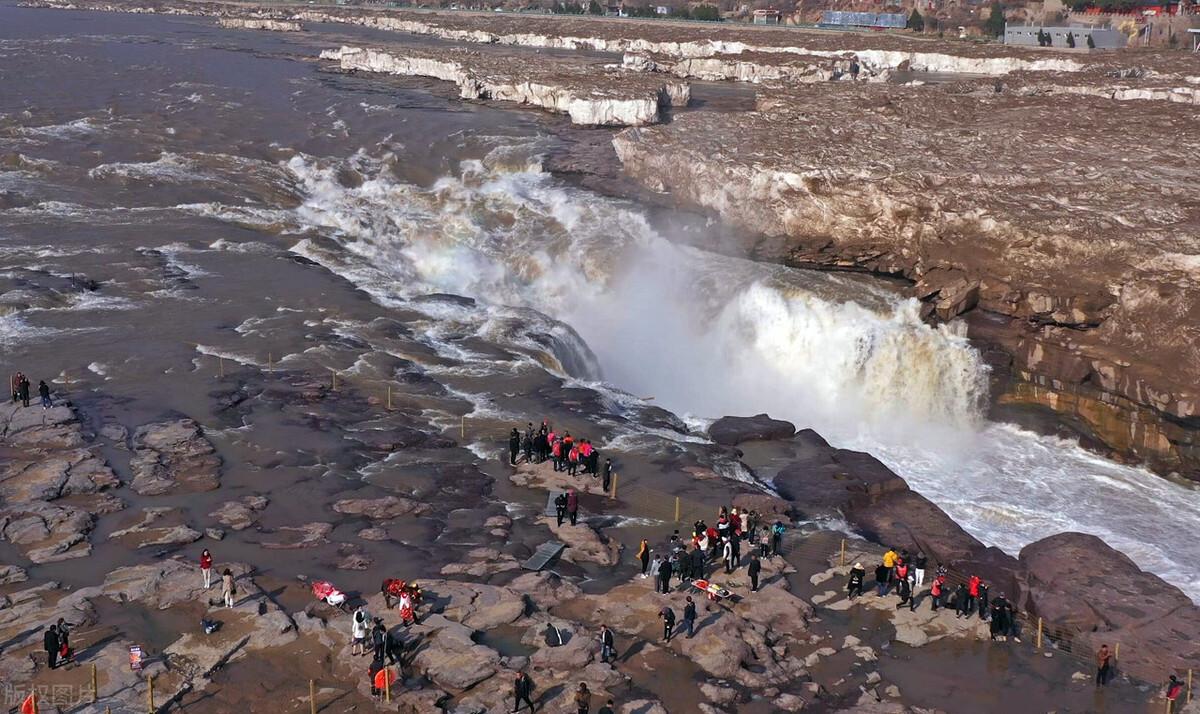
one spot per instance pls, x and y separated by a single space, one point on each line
731 431
173 457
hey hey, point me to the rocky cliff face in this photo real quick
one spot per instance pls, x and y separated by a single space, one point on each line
589 94
1080 245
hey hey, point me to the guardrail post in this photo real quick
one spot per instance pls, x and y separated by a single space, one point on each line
312 696
389 398
387 684
1117 652
614 487
333 379
1189 688
842 560
95 689
220 366
150 695
1039 634
677 509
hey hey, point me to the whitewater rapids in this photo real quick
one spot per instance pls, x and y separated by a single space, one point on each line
708 335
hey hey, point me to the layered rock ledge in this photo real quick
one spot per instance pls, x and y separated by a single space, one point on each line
1075 258
590 93
252 23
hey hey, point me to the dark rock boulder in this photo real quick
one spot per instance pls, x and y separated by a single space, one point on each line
1079 583
731 431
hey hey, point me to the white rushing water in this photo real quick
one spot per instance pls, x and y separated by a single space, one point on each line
709 335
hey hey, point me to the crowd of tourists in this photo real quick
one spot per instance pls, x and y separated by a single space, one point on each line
904 575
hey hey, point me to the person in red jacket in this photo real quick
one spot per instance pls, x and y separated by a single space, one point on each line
972 593
935 591
572 505
206 568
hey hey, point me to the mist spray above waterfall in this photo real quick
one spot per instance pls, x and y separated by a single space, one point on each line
705 334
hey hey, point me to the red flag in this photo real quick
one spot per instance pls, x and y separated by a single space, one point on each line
29 706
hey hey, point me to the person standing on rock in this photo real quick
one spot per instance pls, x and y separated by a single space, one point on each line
608 648
64 642
983 600
904 590
379 640
573 506
228 589
541 446
764 543
655 566
358 631
972 594
999 624
607 708
699 560
1103 665
51 644
14 386
206 568
606 475
736 541
664 577
522 692
727 555
883 575
573 460
689 617
560 507
919 564
854 587
962 597
23 390
44 393
583 699
935 591
667 615
556 448
643 554
527 447
514 446
753 570
777 532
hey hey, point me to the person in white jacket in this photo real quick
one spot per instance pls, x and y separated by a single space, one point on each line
359 625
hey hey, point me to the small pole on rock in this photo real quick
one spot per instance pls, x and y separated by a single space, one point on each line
150 694
387 684
614 487
1189 688
1117 652
677 509
33 697
270 363
1039 634
333 379
1169 706
462 428
95 689
312 696
389 397
221 366
843 557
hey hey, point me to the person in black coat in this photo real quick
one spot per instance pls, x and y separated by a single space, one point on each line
883 576
699 560
754 569
51 644
379 639
664 577
668 618
522 692
606 475
514 446
855 585
689 616
560 507
23 391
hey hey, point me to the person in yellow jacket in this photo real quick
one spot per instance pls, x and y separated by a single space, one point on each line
889 558
643 555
